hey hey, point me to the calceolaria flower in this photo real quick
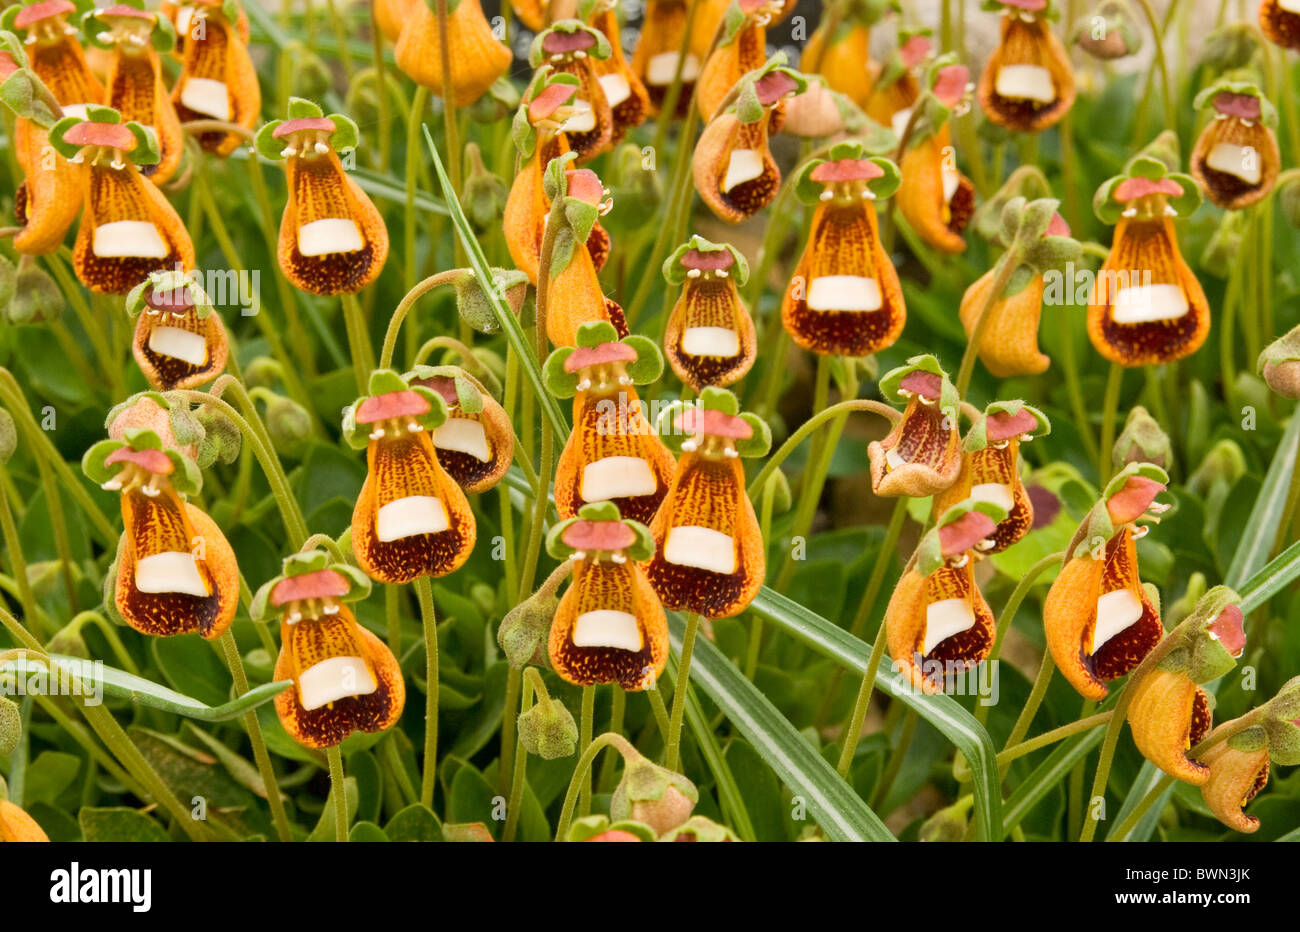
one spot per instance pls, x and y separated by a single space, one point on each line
345 679
478 58
1099 620
610 626
897 87
180 341
569 47
1279 364
176 572
1238 771
129 230
921 455
1169 712
1147 306
136 86
990 470
628 100
709 554
1280 22
57 58
332 237
1236 158
741 48
1109 32
658 56
843 57
937 622
476 443
935 198
392 15
733 167
1027 83
613 453
411 518
709 338
217 80
844 298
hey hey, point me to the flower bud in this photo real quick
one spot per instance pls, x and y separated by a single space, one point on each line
68 640
948 824
36 297
547 730
221 438
484 194
262 372
814 114
598 828
1224 463
1229 47
8 436
476 308
524 630
311 76
652 794
699 828
1141 441
1109 33
1279 364
11 726
289 425
465 832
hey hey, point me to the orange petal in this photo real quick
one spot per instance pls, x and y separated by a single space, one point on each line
16 825
1256 141
725 139
391 16
1281 26
885 101
48 201
1167 715
60 63
909 614
657 49
429 529
478 59
1236 777
616 74
532 13
605 656
936 218
154 334
844 61
711 302
1027 43
728 64
369 691
591 92
137 90
921 456
1009 345
466 438
994 466
220 56
576 298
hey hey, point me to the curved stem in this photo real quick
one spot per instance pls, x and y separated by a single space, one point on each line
254 728
584 738
1036 693
424 595
404 306
1006 756
363 353
609 739
853 733
1157 39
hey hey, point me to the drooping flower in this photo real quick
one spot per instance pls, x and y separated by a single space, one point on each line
1236 776
1280 22
217 80
935 198
844 298
180 341
658 51
819 113
843 57
709 554
1110 32
990 470
1147 306
532 13
391 16
937 622
733 167
570 47
411 518
898 85
922 454
17 825
476 443
609 626
129 230
332 237
1236 158
1027 83
478 58
628 99
1099 620
345 679
740 49
709 338
56 56
136 87
176 572
190 21
613 453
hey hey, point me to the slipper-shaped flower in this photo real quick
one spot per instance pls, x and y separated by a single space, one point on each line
935 198
1027 84
332 237
740 49
478 58
844 298
136 86
190 21
217 79
176 572
709 552
897 86
1280 22
129 230
921 455
1147 306
532 13
50 40
843 57
658 56
629 102
1236 158
609 626
1099 620
180 341
477 442
345 679
1237 775
570 47
990 470
613 453
411 518
709 338
937 624
391 16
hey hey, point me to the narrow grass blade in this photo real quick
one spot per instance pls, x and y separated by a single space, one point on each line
1265 518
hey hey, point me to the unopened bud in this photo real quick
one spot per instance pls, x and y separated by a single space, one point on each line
11 725
652 794
1230 47
547 730
221 438
476 307
288 424
36 297
1279 364
699 828
311 76
948 824
523 631
1141 441
484 194
8 281
262 372
1109 33
68 640
1224 463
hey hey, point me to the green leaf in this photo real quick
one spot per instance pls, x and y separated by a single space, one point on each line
192 667
414 823
119 823
1261 530
1272 579
943 712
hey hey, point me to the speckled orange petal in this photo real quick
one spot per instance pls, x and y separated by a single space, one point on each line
319 189
707 504
921 456
60 63
1168 715
185 16
576 298
1143 247
532 13
728 64
627 97
844 240
391 16
906 619
1281 26
199 557
1225 189
599 139
936 218
220 57
993 466
659 45
117 195
166 372
526 206
611 425
137 90
370 694
711 302
403 475
887 100
845 62
16 825
1009 345
477 60
714 150
609 587
48 201
1236 777
1027 42
464 437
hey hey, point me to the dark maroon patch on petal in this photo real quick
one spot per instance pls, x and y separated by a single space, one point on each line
585 356
1046 505
598 535
322 584
169 300
156 461
390 405
923 383
445 387
1001 426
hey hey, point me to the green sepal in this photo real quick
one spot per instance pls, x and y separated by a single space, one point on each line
649 362
1196 652
267 146
674 274
384 382
559 383
1267 112
300 108
589 827
346 134
185 476
639 550
146 151
929 552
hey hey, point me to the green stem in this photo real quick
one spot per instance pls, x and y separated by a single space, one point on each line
17 562
520 765
424 595
1005 268
404 306
1036 693
812 424
853 733
584 738
1109 407
338 792
681 683
1006 756
363 353
608 739
418 104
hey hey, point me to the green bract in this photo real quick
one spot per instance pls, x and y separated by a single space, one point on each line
344 136
537 57
185 476
890 381
929 552
715 399
977 438
809 191
170 281
162 34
